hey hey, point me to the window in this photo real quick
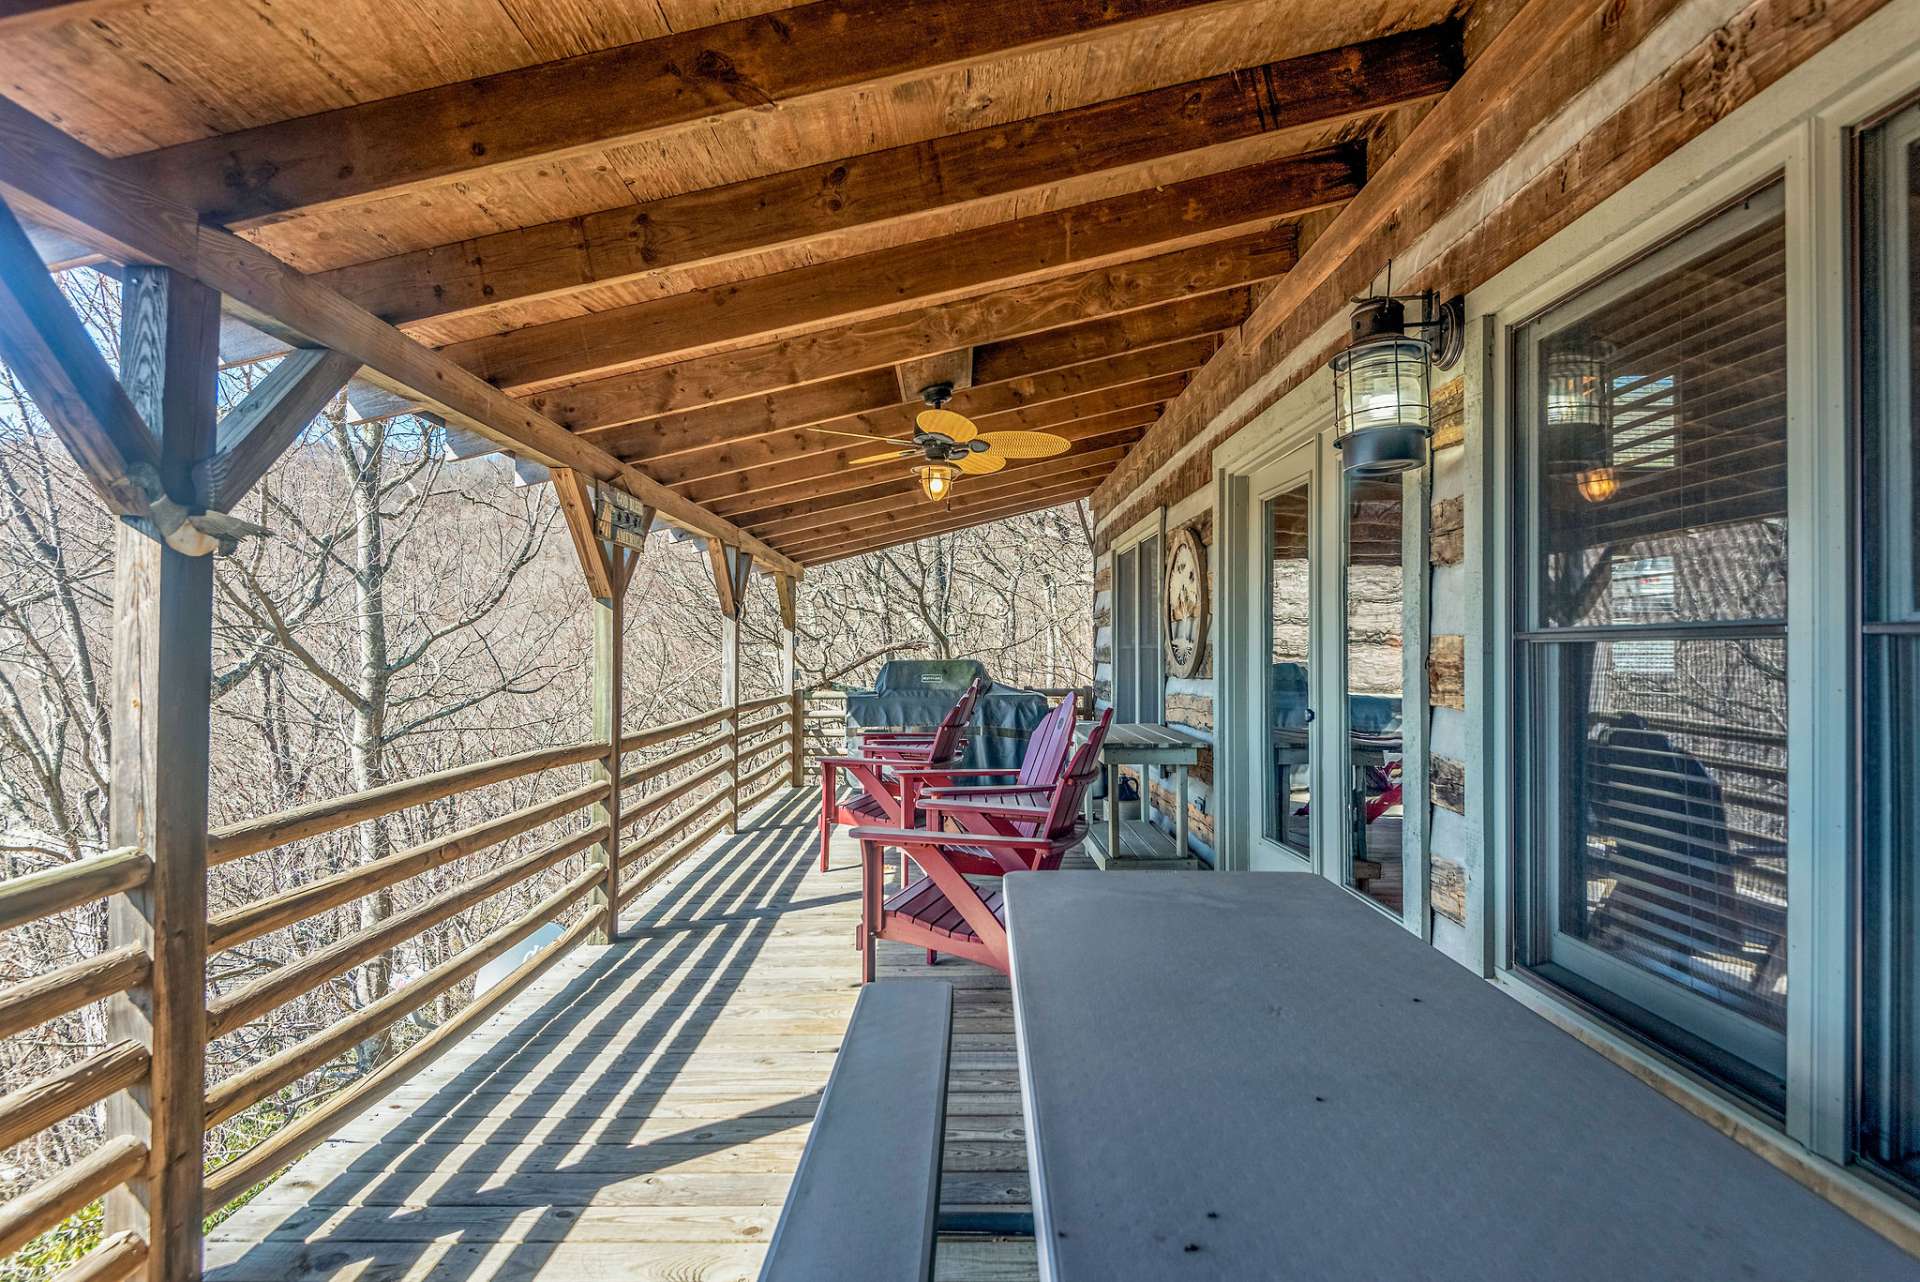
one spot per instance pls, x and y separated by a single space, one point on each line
1889 710
1138 665
1651 647
1374 593
1289 526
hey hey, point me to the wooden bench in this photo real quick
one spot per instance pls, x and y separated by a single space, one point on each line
865 1200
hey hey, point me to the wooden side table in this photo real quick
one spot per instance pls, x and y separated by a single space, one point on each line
1137 843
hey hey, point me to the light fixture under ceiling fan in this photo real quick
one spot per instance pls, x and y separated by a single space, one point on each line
952 446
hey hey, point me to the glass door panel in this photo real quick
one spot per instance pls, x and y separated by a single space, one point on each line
1373 591
1289 529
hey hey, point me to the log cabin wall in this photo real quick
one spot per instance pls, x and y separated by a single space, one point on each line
1696 111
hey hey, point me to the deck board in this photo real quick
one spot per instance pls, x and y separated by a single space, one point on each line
638 1112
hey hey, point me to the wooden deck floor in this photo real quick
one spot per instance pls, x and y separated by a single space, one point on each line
638 1113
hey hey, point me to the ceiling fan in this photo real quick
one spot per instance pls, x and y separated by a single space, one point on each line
951 446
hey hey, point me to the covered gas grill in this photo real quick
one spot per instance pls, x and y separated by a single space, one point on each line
913 694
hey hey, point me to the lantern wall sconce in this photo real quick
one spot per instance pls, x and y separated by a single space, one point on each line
1382 406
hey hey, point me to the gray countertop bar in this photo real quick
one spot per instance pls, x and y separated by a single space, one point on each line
1252 1075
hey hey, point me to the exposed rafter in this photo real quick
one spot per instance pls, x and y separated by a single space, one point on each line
884 511
806 513
710 382
748 492
1113 410
1038 501
996 259
902 183
980 403
611 97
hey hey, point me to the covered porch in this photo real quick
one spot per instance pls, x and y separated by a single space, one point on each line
784 285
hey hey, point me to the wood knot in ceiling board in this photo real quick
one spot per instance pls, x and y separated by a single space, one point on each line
833 190
642 231
715 68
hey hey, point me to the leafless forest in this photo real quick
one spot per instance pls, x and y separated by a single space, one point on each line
407 614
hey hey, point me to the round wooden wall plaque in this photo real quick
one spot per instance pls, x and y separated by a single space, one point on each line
1186 602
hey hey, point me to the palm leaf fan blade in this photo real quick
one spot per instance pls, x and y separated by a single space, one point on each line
1025 444
980 464
888 457
957 428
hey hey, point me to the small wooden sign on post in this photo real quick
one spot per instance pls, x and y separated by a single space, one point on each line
620 518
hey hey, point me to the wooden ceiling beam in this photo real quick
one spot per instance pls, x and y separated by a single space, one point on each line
750 493
971 490
808 513
617 97
1002 314
736 424
900 183
766 371
801 455
1037 502
949 522
922 273
73 188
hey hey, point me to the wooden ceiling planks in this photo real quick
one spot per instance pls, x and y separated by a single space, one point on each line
690 231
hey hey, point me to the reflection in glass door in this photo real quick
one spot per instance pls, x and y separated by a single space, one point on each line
1373 594
1289 527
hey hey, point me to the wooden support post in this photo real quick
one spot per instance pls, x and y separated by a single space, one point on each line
730 699
608 668
609 568
162 666
731 573
783 586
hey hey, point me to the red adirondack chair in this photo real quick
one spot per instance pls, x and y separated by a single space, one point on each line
1040 770
874 771
945 912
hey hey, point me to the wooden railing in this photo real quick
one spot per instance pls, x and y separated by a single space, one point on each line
679 785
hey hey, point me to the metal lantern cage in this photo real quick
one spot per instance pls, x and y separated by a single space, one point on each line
936 480
1382 404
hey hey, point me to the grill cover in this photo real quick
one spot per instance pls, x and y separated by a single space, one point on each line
914 694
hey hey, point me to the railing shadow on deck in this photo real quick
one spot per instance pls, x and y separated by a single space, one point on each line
682 954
